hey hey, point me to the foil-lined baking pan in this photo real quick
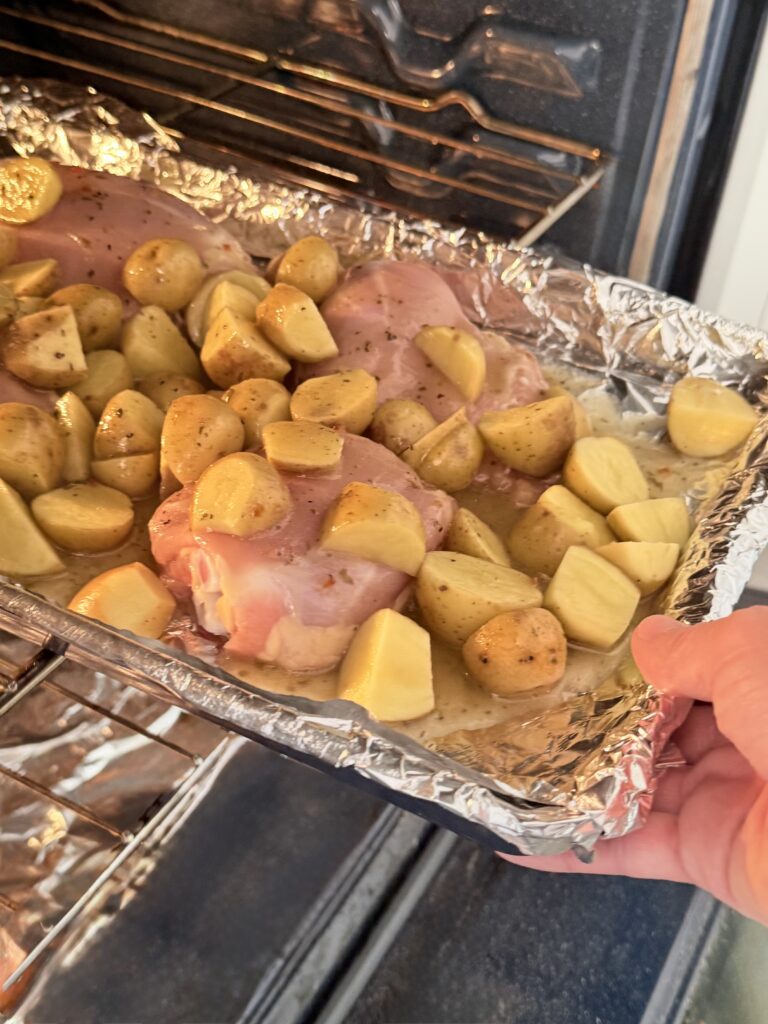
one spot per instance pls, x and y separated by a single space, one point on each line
570 773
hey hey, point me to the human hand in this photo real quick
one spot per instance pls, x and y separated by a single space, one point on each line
709 821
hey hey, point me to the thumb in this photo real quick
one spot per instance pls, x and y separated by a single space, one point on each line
724 662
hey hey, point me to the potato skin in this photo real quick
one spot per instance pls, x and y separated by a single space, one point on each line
108 374
164 388
163 272
516 652
98 313
31 449
87 518
311 265
399 422
198 430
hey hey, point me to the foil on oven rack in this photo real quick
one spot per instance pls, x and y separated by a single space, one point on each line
592 768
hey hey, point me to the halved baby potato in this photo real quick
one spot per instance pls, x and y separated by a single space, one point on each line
108 373
258 401
235 350
376 524
198 318
458 593
604 473
134 475
9 246
388 668
36 278
164 388
707 419
449 456
77 428
129 425
545 531
458 355
129 597
532 439
86 517
295 447
152 343
291 321
581 421
24 550
592 598
98 313
44 349
346 399
664 520
198 430
398 423
241 495
649 564
30 187
31 449
469 535
516 652
311 265
165 272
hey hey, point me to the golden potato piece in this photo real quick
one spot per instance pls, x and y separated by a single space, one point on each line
165 272
516 652
648 564
197 314
134 475
44 349
108 373
302 447
164 388
664 520
241 495
400 422
98 313
458 593
198 431
532 439
31 449
581 421
37 278
228 295
9 245
458 355
86 517
346 399
235 350
469 535
604 473
129 597
77 428
388 668
311 265
8 305
593 600
24 551
129 425
546 530
30 187
292 322
449 456
26 304
707 419
257 402
379 525
152 343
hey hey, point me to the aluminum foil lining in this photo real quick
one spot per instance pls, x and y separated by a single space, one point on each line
573 773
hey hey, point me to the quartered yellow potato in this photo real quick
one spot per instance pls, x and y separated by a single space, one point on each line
532 439
163 388
449 456
85 517
659 519
545 531
272 267
241 495
293 323
24 550
228 295
152 343
165 272
311 265
26 304
129 425
77 428
302 447
458 593
376 524
235 350
197 314
9 245
198 430
30 187
706 419
604 473
346 399
8 305
582 425
44 349
37 278
108 373
129 597
258 401
469 535
134 475
648 564
399 423
516 652
31 449
593 600
458 355
388 668
98 313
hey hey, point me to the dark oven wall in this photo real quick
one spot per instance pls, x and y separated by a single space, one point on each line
594 75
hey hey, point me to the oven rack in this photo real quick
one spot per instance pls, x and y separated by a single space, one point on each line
318 125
